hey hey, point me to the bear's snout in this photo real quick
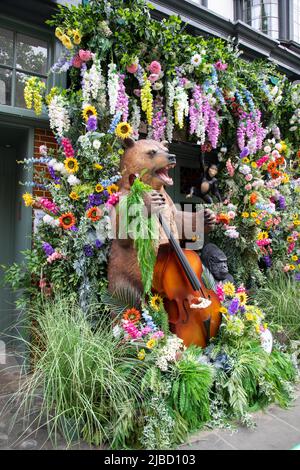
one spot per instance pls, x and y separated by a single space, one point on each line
171 158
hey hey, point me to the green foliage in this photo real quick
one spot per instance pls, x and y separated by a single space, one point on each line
191 384
280 300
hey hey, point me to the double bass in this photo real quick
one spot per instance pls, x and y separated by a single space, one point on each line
193 310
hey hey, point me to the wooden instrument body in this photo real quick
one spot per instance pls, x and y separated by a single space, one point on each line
193 325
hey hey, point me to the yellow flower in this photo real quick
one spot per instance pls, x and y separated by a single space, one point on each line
249 316
257 328
99 188
253 214
113 188
258 222
262 235
156 302
73 195
229 289
246 160
245 215
120 151
243 297
286 178
28 199
290 239
141 355
67 41
283 146
89 111
223 310
59 33
265 326
151 343
295 216
292 267
254 165
296 223
71 165
97 166
77 36
123 130
295 258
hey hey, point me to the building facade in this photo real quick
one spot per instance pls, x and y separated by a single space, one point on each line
263 28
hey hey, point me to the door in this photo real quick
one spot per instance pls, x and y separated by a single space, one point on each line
8 172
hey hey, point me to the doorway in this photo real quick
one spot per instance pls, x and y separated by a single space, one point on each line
15 219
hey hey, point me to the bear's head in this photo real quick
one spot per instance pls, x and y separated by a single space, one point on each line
149 158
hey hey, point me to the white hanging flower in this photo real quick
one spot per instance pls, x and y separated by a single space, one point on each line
112 87
170 124
170 94
49 220
136 119
96 144
58 115
181 105
93 85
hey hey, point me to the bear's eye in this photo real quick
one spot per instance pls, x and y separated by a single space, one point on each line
152 152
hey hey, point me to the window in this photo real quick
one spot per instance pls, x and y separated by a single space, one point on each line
21 56
296 22
262 15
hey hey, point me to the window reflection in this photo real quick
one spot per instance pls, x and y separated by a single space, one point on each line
262 15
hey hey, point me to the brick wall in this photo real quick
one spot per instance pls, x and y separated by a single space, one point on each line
42 137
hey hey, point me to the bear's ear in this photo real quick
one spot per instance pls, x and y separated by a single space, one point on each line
165 143
128 142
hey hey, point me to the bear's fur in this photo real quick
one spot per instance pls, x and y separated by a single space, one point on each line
123 269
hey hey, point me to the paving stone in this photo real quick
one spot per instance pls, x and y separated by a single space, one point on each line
3 438
210 442
28 444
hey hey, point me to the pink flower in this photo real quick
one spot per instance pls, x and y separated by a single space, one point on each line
76 61
291 247
155 67
43 150
220 292
248 187
55 256
85 56
241 288
158 335
132 68
113 200
249 177
286 268
153 77
230 168
137 92
145 331
48 205
231 214
220 66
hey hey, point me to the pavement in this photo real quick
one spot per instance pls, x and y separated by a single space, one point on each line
276 428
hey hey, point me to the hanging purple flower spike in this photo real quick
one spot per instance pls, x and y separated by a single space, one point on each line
92 123
48 249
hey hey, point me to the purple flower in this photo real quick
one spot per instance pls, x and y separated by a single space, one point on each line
245 152
74 228
268 261
92 123
94 200
281 202
98 244
242 309
48 249
297 277
234 306
88 250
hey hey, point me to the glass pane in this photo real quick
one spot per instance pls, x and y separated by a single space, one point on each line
20 84
6 46
5 86
32 54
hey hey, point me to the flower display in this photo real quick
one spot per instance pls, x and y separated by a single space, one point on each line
67 220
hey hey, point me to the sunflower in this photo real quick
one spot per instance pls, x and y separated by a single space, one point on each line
132 314
246 160
294 258
28 199
73 195
156 302
243 297
262 235
290 239
97 166
59 33
275 174
77 36
295 216
94 213
151 343
113 188
67 220
296 223
99 188
253 214
89 111
123 130
229 289
254 165
258 222
71 165
280 161
271 167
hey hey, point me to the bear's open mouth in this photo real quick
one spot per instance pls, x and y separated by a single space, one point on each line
163 174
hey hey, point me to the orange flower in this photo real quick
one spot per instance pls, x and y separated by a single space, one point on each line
253 198
94 213
275 174
280 161
132 314
223 218
298 154
67 220
271 166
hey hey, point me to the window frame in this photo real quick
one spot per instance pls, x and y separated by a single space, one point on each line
39 33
